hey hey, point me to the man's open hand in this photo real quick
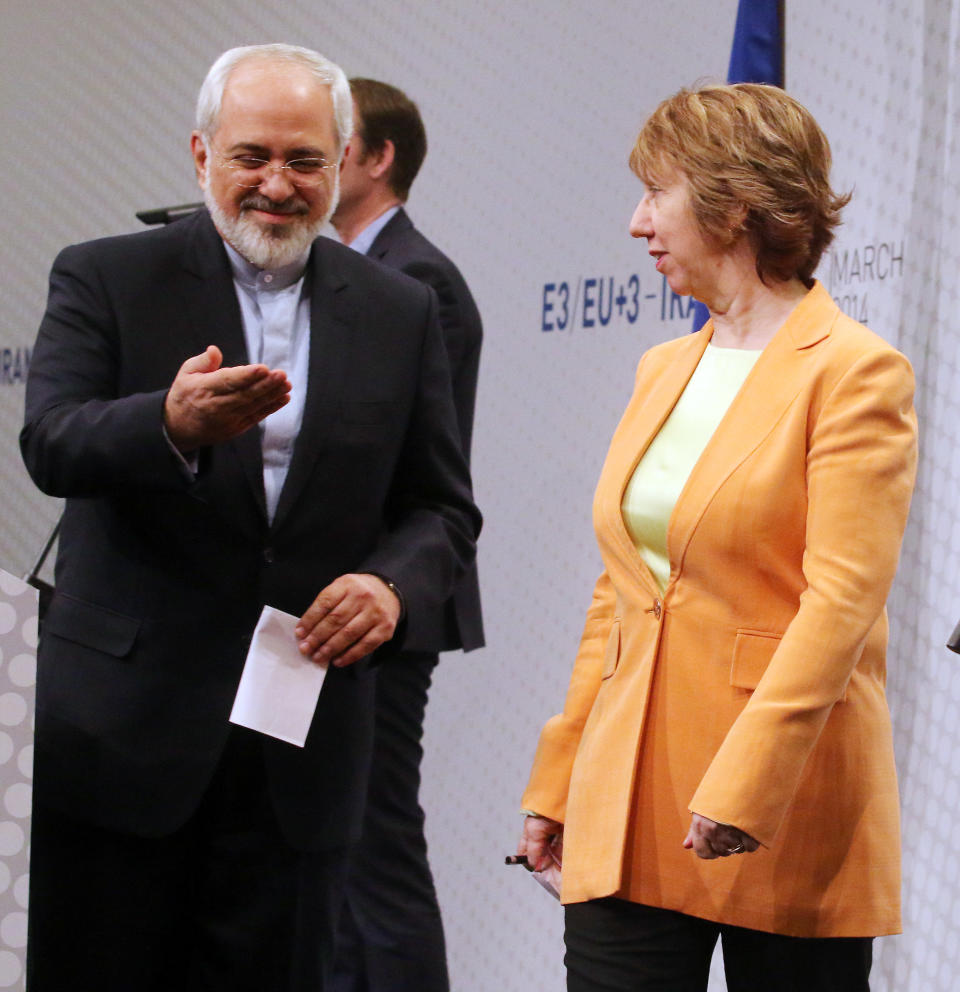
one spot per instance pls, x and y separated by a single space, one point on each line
208 404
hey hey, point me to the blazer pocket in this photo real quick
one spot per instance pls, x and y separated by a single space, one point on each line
751 655
611 656
91 626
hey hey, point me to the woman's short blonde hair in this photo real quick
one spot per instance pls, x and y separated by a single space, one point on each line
756 162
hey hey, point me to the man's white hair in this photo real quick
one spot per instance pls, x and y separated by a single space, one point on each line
210 98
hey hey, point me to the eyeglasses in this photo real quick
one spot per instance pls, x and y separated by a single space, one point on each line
250 171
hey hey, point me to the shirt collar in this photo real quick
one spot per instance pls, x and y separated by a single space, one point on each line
251 277
363 242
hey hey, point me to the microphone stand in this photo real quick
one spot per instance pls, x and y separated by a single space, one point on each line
33 576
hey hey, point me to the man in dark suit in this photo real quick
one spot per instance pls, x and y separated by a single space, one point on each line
391 935
172 850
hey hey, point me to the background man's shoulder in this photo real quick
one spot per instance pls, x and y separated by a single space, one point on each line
407 245
402 246
334 257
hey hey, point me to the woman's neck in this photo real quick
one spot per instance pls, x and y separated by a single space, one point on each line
746 312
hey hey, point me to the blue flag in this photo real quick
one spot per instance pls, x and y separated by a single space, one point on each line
757 53
756 57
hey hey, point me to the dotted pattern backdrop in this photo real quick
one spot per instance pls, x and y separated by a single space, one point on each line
531 109
18 668
884 82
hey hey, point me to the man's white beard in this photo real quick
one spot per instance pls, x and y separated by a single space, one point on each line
272 247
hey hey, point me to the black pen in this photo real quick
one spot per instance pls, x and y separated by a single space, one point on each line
518 859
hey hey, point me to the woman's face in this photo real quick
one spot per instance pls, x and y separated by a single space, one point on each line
688 261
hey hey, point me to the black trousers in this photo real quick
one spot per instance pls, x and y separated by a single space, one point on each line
619 946
391 934
222 905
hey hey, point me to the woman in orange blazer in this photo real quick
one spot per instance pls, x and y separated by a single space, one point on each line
723 765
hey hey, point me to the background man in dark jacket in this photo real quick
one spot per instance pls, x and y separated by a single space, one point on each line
391 935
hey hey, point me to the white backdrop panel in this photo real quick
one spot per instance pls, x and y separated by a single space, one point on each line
884 81
531 109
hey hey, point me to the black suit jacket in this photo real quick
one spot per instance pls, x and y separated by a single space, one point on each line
401 246
160 580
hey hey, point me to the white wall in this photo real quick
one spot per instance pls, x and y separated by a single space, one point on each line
531 109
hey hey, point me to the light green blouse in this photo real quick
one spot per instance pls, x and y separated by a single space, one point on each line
662 472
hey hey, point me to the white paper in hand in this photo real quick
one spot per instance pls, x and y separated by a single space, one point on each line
279 687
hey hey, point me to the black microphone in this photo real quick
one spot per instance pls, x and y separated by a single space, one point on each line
166 215
954 642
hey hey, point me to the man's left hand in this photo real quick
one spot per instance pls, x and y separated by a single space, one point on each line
351 617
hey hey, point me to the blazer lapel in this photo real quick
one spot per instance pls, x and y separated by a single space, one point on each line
639 426
331 319
211 302
773 383
386 239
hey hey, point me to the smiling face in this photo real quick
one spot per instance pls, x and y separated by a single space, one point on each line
688 260
278 112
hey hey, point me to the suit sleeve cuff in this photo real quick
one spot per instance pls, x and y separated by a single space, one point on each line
392 586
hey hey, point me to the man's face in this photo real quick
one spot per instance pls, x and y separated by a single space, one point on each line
355 181
280 113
